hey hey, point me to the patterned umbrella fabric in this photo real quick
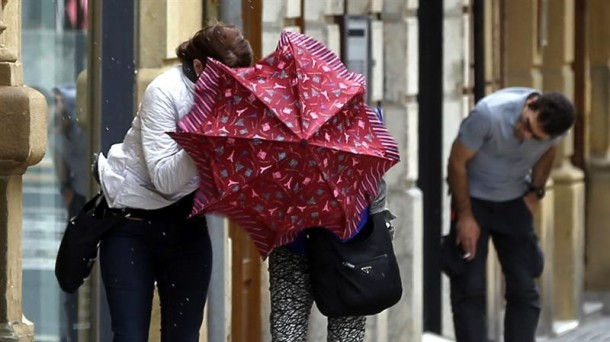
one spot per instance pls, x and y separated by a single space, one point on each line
286 144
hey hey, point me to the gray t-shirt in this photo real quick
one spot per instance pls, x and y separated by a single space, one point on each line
501 167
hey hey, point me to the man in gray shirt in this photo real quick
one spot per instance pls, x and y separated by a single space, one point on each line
498 168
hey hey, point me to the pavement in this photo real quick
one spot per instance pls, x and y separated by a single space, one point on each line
597 330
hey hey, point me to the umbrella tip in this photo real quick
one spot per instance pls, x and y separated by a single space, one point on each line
304 142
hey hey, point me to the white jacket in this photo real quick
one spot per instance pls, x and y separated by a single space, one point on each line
149 170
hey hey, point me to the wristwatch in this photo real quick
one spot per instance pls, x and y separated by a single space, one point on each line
540 191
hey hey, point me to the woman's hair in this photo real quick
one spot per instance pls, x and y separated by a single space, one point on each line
212 41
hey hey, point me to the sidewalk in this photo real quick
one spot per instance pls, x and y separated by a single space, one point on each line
595 331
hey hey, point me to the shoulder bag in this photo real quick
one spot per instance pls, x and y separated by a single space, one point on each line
79 244
354 278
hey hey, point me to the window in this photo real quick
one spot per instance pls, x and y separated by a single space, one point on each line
53 55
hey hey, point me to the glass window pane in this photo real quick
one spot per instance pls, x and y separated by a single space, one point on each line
53 55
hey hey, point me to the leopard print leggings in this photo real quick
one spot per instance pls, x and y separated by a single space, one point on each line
292 299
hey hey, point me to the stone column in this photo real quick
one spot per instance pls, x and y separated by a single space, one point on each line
598 164
523 48
568 180
544 222
22 143
493 72
401 78
525 38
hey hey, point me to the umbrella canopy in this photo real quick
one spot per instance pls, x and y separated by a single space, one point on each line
286 144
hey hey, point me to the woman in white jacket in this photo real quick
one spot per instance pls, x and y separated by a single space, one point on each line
149 180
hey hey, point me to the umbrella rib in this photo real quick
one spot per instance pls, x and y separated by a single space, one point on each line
315 157
369 181
330 60
253 92
247 138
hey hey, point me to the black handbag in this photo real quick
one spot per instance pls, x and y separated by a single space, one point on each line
79 244
355 278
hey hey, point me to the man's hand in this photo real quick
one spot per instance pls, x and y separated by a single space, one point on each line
531 202
468 233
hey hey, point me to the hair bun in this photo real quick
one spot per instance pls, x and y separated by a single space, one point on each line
181 50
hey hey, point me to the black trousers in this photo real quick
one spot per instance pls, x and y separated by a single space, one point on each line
177 257
510 226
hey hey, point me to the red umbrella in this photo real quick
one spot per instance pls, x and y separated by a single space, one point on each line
286 144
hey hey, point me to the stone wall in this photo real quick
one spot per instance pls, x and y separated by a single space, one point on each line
23 118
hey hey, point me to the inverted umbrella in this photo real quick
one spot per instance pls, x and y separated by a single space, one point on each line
286 144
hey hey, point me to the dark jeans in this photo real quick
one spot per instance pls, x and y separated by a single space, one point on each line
510 226
175 255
